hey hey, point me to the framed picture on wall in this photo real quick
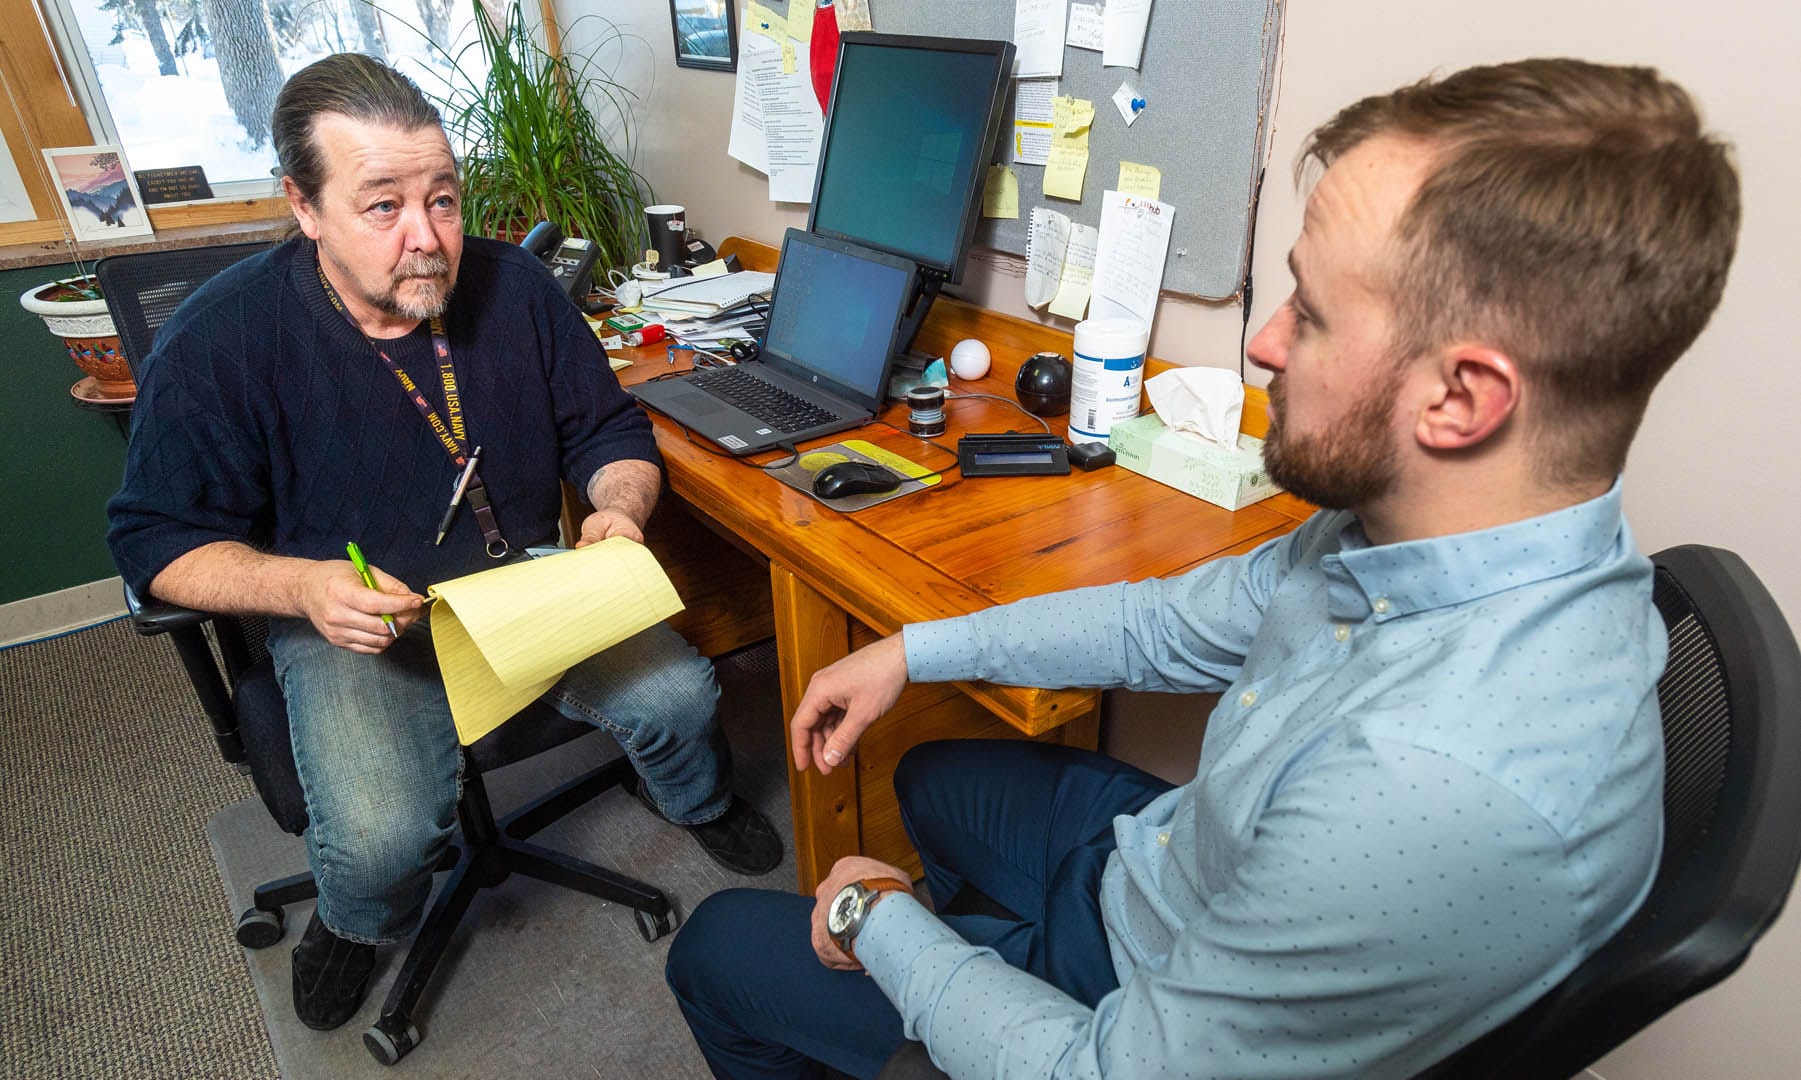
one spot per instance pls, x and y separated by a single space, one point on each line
706 34
99 196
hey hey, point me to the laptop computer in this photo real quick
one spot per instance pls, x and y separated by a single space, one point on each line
833 326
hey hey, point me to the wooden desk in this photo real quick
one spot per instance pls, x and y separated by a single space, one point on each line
837 581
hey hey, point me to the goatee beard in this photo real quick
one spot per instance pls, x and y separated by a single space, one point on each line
435 266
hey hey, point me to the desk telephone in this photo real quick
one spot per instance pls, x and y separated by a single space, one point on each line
569 259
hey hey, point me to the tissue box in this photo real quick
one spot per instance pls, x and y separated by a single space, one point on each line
1228 477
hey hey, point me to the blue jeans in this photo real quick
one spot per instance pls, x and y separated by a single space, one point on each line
1026 824
379 762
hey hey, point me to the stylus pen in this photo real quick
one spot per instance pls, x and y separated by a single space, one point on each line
456 497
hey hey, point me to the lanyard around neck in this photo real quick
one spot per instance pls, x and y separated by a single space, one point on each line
454 436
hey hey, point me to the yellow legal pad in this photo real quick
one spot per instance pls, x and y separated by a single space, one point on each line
506 635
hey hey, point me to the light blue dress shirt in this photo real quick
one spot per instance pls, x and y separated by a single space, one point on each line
1431 787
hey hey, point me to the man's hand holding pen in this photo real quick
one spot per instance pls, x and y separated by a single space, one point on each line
348 613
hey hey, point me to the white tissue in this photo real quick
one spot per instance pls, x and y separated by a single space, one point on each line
1206 402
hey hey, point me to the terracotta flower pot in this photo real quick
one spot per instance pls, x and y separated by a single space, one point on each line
87 331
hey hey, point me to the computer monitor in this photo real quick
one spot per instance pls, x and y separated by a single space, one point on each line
908 136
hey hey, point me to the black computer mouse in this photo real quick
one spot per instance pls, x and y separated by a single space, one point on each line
854 478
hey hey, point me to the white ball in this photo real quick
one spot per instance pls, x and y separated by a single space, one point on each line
969 359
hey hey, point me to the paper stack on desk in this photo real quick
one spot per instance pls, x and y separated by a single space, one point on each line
707 296
505 636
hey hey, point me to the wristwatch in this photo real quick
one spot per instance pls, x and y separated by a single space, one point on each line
851 906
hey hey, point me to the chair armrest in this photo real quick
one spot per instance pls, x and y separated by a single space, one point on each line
184 626
151 617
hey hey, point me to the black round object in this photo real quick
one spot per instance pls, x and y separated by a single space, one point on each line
1042 384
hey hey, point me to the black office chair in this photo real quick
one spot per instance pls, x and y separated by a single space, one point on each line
239 693
143 288
1731 700
241 698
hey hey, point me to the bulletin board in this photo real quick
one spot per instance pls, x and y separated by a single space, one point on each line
1205 75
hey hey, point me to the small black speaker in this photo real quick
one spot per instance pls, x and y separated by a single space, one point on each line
1042 384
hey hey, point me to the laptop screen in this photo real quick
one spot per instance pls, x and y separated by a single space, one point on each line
836 312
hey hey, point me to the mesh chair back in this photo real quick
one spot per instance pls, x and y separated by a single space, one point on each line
1730 698
143 288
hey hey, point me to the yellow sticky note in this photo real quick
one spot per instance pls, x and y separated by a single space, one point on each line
1144 181
1000 193
788 58
1071 119
800 19
760 20
1071 300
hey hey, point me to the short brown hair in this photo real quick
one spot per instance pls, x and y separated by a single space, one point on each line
350 84
1576 217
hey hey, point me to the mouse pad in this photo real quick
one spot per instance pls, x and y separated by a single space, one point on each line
799 475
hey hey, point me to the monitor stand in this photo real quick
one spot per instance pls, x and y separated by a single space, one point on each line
925 290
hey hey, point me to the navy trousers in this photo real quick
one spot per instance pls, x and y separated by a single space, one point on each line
1026 825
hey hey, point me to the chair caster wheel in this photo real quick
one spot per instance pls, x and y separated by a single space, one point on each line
389 1039
652 927
259 928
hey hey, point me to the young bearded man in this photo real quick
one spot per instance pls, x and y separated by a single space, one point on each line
1433 781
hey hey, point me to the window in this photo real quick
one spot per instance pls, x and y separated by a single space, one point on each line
192 82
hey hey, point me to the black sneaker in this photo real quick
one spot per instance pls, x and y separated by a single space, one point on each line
331 975
741 839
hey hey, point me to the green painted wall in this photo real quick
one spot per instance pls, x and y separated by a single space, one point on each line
59 463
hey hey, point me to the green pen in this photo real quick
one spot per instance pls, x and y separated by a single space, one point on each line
362 567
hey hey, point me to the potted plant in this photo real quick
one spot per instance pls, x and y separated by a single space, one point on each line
74 310
531 149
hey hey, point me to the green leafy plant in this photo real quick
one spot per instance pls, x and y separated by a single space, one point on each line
532 150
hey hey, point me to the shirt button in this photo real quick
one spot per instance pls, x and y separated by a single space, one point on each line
1162 839
1248 698
1381 605
1341 632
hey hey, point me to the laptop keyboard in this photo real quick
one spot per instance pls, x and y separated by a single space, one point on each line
770 404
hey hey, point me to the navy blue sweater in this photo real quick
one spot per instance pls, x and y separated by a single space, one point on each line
263 416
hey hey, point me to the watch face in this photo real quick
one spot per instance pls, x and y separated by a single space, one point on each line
845 906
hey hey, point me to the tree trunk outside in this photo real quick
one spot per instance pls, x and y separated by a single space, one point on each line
152 22
435 14
370 29
244 45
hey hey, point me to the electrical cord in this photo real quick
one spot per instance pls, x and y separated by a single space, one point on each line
1042 422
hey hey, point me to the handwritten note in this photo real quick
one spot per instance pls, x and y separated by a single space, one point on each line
1085 27
1071 300
1128 265
1068 163
1047 241
1145 181
1038 37
1034 111
505 636
1000 193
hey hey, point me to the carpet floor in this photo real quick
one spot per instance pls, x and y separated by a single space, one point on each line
127 849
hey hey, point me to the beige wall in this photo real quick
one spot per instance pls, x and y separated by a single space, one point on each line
1718 456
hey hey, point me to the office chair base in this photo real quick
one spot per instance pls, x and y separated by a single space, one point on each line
388 1041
